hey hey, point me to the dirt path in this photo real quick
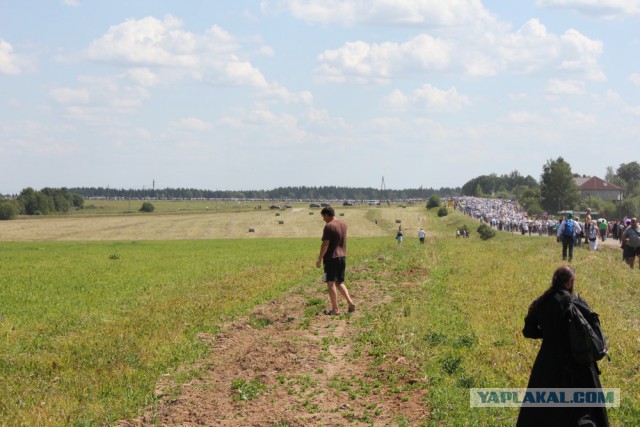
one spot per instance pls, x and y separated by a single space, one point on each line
288 365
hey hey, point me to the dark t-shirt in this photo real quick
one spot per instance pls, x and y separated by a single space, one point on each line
336 233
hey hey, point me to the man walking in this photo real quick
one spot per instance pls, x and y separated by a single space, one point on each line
421 235
566 233
631 239
333 252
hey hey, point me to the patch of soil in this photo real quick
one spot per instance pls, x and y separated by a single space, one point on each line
286 364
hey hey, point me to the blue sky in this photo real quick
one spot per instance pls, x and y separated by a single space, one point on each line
231 95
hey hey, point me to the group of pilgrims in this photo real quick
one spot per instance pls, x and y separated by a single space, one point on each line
504 215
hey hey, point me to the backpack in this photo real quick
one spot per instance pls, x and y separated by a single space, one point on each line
568 228
586 339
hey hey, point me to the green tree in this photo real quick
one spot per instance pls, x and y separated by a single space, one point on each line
28 201
485 232
610 174
77 201
8 209
630 173
558 189
530 200
147 207
629 208
433 202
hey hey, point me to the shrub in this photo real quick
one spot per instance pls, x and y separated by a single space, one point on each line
433 202
443 211
8 209
485 232
147 207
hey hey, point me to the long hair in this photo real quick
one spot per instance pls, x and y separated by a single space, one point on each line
560 278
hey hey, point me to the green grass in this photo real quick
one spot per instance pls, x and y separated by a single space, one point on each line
111 207
88 328
463 324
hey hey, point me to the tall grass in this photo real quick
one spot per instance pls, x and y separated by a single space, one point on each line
463 325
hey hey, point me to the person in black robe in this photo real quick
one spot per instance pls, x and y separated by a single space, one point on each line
554 366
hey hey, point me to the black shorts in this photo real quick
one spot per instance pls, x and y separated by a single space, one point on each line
334 269
629 252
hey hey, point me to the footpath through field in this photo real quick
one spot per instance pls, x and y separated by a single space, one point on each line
287 364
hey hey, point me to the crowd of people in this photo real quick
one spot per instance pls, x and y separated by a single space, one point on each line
504 215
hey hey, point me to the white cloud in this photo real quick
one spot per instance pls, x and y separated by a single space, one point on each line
284 94
523 117
565 87
65 95
143 76
380 62
635 79
9 62
575 119
397 101
431 13
149 42
436 100
191 123
427 98
494 51
581 54
634 111
604 8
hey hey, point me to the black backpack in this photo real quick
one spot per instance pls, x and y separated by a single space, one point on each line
586 339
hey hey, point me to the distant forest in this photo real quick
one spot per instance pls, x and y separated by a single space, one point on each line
281 193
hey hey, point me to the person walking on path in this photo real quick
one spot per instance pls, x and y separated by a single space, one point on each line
333 253
592 236
555 366
604 226
421 235
399 235
587 226
566 233
631 241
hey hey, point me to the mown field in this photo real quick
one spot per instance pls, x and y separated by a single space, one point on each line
232 222
92 316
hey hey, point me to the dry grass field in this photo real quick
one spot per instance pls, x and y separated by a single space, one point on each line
363 221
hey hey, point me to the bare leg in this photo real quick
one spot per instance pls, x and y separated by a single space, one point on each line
333 296
345 293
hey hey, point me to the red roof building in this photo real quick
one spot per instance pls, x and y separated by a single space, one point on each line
600 188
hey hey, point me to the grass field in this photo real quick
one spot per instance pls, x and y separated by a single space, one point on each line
93 312
299 221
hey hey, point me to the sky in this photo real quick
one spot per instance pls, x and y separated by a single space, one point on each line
255 95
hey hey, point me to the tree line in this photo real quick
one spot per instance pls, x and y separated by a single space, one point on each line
51 200
281 193
43 202
557 191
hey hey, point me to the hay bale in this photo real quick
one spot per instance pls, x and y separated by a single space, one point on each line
342 214
278 214
310 213
280 222
398 221
251 230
